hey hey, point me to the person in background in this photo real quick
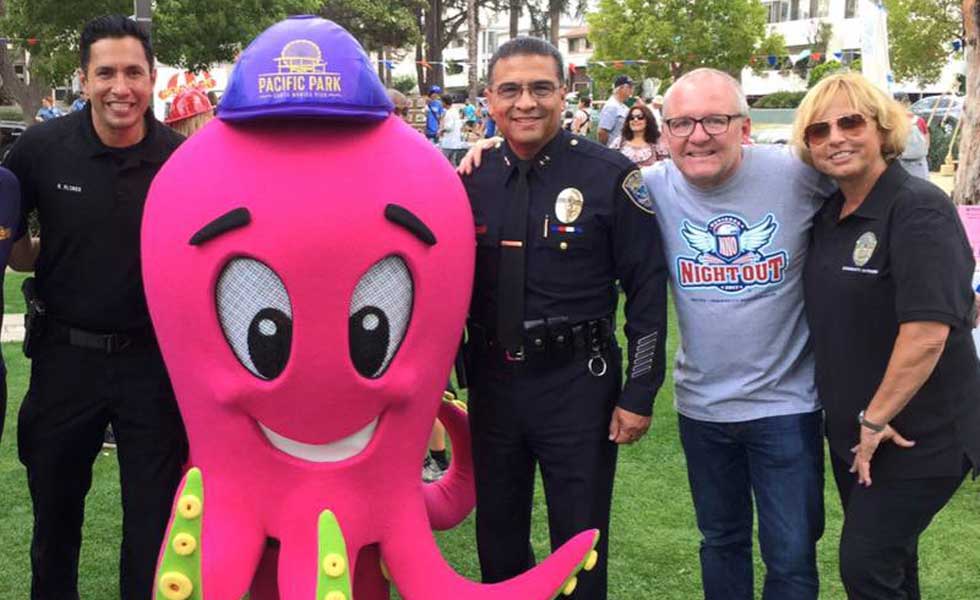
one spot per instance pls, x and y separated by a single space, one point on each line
656 107
79 102
451 132
915 158
891 308
582 121
47 111
614 112
433 114
402 104
640 138
189 111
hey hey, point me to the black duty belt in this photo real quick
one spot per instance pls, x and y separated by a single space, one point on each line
110 343
547 343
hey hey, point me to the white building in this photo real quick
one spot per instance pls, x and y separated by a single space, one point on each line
799 20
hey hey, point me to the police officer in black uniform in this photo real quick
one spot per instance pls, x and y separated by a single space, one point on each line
95 358
559 220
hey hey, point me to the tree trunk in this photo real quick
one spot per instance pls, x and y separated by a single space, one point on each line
27 96
554 21
967 190
433 44
473 43
515 17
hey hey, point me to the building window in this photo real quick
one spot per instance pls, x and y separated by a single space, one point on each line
819 8
778 11
579 44
492 43
850 9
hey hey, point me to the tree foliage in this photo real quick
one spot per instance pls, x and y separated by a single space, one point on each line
377 24
194 34
676 35
920 34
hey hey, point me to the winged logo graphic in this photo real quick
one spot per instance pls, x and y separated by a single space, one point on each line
730 256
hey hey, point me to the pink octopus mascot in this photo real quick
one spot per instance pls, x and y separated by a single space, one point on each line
309 302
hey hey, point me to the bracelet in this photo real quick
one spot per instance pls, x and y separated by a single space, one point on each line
875 427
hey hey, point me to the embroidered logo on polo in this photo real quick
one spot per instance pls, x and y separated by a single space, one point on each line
69 187
730 255
301 72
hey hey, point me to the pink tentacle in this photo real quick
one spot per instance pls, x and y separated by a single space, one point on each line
452 498
419 572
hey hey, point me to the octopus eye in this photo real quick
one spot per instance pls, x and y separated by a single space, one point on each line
256 316
380 311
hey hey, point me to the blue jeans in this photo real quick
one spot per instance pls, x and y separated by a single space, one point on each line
779 461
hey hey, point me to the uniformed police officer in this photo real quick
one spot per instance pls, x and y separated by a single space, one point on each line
559 220
96 360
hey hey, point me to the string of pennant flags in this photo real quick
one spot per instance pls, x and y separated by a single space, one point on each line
772 60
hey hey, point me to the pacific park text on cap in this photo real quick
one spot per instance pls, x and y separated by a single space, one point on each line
623 80
304 66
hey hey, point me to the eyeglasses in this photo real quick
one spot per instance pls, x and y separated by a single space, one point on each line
538 89
712 124
637 118
851 125
401 110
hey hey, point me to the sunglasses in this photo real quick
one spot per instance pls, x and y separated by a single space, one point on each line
851 125
637 118
403 111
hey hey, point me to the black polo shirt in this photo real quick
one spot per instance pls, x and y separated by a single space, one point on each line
89 199
902 256
572 267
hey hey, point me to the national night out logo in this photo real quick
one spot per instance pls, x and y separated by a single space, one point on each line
729 255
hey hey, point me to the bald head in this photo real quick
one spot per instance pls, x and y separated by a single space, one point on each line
705 79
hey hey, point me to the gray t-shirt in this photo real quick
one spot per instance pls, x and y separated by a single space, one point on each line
611 119
736 255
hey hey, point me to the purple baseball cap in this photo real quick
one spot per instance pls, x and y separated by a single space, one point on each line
304 67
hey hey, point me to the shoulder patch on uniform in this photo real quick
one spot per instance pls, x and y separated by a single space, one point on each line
637 191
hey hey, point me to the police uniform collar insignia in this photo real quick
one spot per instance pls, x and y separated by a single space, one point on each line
864 248
304 67
637 191
568 205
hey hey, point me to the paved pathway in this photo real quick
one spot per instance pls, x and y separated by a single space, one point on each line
13 328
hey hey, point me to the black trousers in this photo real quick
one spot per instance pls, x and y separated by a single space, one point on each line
559 419
74 393
879 545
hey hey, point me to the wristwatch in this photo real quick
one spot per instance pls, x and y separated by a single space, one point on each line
875 427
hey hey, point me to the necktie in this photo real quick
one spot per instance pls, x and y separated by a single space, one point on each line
510 282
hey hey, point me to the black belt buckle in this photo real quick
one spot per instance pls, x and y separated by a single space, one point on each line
536 336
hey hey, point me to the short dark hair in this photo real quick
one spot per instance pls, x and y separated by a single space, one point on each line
115 27
651 133
527 46
586 101
447 99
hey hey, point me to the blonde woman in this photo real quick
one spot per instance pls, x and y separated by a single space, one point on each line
888 298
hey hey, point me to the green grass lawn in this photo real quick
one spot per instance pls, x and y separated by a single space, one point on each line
13 299
653 546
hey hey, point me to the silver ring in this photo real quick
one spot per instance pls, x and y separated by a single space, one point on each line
602 368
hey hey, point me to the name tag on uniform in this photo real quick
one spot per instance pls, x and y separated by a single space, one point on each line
69 187
859 270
